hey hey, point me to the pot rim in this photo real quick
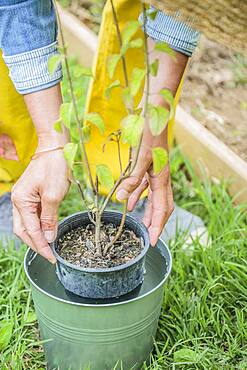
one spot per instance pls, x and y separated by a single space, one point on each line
169 267
145 238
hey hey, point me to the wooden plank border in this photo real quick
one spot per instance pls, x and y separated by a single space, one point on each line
201 146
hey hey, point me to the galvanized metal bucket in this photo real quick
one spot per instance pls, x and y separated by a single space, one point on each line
83 334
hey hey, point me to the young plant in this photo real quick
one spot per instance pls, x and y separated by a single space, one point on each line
132 126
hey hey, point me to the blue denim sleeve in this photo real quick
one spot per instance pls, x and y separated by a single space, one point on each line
28 38
177 34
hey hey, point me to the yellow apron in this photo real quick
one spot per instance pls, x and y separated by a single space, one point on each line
112 110
15 121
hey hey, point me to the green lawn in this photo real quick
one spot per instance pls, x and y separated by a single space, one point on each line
203 322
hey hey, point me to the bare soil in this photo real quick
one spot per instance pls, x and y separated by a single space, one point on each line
215 93
78 247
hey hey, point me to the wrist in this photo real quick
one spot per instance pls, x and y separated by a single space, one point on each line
49 140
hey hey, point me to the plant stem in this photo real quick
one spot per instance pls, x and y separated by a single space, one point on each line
84 199
119 154
109 246
97 219
120 43
147 85
117 183
146 61
119 231
97 233
81 142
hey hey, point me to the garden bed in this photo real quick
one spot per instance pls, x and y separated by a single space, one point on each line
215 93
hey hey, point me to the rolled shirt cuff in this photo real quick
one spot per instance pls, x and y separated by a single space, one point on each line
177 34
29 70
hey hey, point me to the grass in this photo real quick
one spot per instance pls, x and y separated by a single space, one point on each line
203 321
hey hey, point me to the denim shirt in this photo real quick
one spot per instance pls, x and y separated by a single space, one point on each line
28 38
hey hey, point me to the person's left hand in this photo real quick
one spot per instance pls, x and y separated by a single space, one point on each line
36 197
160 198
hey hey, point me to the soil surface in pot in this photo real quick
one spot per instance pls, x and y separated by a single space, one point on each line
78 247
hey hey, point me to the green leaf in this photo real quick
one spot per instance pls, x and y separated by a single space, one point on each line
6 330
185 355
112 64
58 126
105 176
31 317
168 97
67 114
111 87
78 93
53 63
80 71
165 48
137 43
132 127
86 132
154 67
70 150
124 48
127 98
160 159
129 30
158 119
152 13
137 77
96 120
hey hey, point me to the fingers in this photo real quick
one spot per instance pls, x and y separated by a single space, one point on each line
159 215
135 196
129 185
148 211
48 218
31 223
19 229
160 205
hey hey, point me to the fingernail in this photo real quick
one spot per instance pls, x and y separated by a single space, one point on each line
122 194
153 238
47 253
52 261
49 235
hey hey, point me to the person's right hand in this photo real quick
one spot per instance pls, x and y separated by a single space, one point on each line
36 197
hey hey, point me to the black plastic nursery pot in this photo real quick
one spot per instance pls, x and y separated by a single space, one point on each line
101 282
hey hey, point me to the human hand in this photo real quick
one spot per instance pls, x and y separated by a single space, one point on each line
160 198
36 197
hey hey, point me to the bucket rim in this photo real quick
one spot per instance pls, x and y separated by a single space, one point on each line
143 252
169 267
